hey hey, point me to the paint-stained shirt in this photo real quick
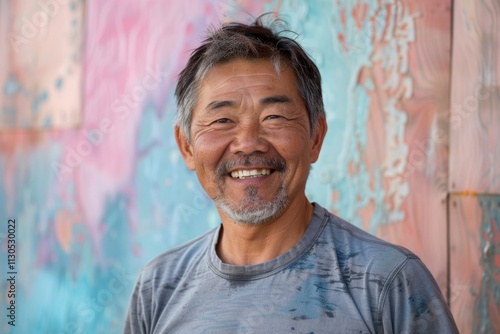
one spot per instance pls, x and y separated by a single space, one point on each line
336 279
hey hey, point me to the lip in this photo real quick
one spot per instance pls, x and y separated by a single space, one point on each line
258 180
258 171
250 181
249 163
249 168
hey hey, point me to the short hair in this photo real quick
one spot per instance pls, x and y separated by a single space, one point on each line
255 41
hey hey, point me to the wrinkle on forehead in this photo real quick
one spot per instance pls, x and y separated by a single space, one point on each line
243 80
242 75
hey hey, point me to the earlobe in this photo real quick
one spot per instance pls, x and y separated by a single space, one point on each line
319 136
184 147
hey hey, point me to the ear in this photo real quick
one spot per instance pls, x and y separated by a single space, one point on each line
317 140
185 148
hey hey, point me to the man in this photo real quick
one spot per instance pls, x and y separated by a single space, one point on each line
250 123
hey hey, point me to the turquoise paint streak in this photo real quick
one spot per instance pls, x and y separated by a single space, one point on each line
317 40
490 248
30 204
172 206
346 104
59 292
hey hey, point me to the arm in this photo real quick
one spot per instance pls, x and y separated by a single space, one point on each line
412 302
135 322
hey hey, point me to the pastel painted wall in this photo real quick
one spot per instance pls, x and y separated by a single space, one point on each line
99 189
474 179
41 59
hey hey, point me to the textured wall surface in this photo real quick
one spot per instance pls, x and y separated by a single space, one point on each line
41 64
96 202
474 183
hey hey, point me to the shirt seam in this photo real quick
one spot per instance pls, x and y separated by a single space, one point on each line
385 290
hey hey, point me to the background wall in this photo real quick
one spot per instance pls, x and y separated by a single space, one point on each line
99 189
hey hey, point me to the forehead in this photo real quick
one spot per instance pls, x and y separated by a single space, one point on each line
241 75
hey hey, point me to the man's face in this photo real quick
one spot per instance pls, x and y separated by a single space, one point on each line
250 140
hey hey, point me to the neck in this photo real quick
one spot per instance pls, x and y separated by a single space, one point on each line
241 244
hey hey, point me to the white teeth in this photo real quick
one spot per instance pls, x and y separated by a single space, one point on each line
244 173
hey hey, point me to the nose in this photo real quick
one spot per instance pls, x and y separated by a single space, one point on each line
249 139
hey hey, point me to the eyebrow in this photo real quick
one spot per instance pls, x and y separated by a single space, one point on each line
264 101
219 104
275 99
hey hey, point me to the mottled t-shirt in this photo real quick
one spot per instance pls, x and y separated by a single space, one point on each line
336 279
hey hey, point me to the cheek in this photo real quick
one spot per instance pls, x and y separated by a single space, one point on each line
204 159
208 152
291 144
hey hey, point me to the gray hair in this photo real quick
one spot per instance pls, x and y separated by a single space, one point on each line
255 41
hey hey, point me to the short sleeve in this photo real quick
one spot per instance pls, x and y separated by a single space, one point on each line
135 322
413 303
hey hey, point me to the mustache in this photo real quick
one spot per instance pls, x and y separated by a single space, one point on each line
277 163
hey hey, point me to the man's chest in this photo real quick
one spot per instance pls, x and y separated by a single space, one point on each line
272 305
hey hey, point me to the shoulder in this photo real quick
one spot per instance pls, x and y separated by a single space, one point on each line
368 265
159 279
390 279
359 247
172 264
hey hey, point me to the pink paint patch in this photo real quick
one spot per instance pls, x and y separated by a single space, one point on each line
189 30
137 251
359 14
64 229
80 238
341 38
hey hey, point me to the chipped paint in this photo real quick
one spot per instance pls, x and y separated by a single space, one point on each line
128 196
487 302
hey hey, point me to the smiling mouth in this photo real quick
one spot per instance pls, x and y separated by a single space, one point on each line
250 173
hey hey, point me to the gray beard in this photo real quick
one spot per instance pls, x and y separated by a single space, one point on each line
253 210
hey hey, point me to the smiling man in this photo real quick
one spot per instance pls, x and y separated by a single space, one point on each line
250 123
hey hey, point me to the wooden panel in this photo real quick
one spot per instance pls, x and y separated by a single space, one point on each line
475 97
404 200
475 263
41 64
422 174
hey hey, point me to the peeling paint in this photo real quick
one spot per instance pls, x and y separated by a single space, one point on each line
488 298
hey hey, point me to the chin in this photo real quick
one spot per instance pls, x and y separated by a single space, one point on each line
253 210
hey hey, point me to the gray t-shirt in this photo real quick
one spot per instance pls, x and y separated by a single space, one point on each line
336 279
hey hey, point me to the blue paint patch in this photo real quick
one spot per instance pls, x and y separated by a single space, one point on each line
343 258
59 83
310 301
419 305
161 172
116 239
490 287
47 122
304 264
11 86
38 100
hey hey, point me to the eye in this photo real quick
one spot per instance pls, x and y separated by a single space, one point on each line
273 117
222 121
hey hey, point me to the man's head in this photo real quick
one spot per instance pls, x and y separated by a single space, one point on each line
255 41
248 123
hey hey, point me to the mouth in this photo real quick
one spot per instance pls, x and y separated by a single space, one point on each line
250 173
250 167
